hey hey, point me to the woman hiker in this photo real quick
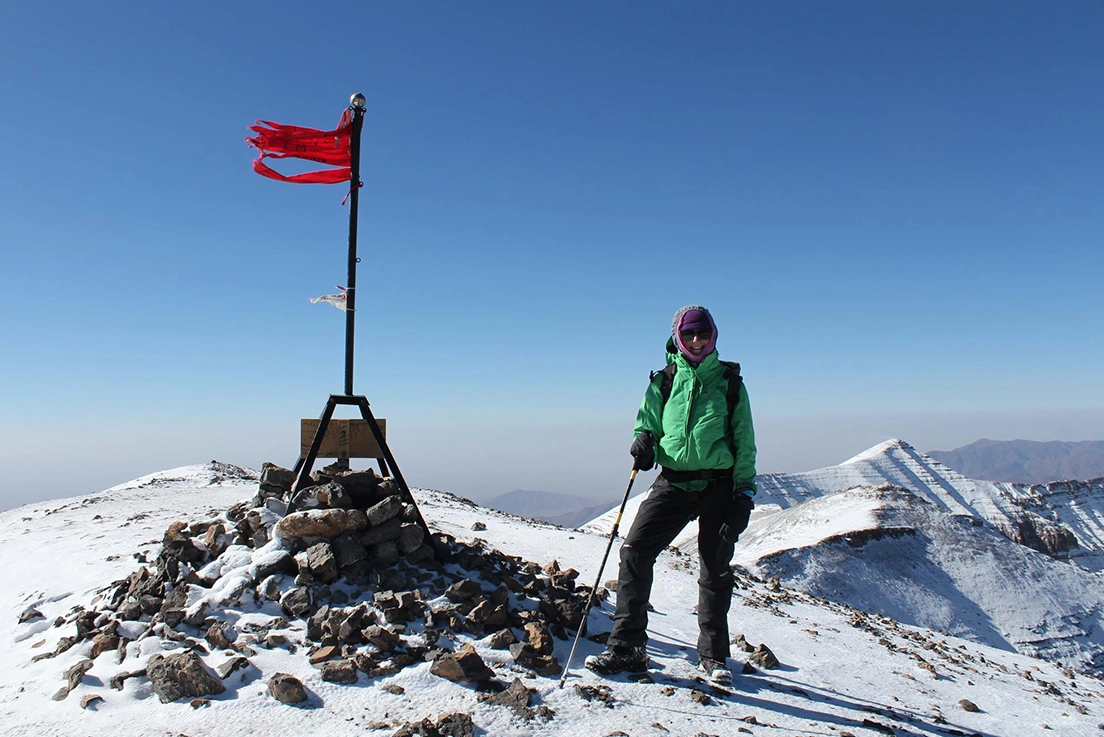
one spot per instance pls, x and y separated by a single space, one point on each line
695 421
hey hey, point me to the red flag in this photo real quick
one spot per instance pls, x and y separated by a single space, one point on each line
278 141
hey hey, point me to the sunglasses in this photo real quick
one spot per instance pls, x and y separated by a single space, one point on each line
689 335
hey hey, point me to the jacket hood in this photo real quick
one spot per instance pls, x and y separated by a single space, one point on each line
693 314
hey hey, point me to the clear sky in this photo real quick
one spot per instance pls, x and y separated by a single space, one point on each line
895 212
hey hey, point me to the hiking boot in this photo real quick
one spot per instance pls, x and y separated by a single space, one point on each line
715 670
618 658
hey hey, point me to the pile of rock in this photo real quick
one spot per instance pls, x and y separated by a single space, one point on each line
352 578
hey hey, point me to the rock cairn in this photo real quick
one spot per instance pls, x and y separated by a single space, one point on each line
350 579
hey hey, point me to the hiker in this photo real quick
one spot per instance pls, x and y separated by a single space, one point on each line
695 421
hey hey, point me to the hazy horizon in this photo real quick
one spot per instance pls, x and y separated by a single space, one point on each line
428 459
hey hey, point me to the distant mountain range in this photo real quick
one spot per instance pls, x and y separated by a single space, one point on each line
1026 461
567 510
1012 461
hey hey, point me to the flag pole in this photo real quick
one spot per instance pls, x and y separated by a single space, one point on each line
357 103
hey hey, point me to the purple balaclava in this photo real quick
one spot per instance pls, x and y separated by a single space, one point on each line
697 318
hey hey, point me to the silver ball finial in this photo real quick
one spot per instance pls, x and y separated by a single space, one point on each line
358 101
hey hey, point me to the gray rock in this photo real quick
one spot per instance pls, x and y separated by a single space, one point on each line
297 601
73 678
232 665
348 549
423 553
348 626
362 486
281 563
316 624
332 496
699 697
399 608
456 725
90 699
103 642
177 544
338 671
117 680
29 614
260 537
464 665
463 590
385 532
276 481
324 653
385 554
389 508
220 636
322 563
411 537
269 588
763 657
381 637
358 574
198 616
503 639
180 675
130 611
527 657
276 505
143 583
539 638
516 697
321 524
448 725
482 612
174 604
287 689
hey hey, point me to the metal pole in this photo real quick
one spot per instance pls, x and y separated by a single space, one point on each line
597 580
357 103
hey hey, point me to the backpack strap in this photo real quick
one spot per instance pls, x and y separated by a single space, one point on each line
735 381
666 381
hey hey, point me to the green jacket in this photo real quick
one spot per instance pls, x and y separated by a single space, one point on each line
691 430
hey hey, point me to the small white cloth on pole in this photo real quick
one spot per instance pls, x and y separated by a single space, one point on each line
337 300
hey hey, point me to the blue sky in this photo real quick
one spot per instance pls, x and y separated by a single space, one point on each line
893 210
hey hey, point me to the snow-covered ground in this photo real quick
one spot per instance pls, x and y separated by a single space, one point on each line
842 670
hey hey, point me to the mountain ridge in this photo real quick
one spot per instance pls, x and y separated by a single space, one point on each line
555 507
1026 461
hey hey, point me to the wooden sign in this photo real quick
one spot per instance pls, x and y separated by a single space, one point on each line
343 439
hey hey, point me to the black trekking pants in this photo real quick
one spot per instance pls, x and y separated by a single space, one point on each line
661 517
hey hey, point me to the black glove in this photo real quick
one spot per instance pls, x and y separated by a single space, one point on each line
643 450
737 516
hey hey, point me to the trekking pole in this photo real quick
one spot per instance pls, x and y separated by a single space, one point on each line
597 580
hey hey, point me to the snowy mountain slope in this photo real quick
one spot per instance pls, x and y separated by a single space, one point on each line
1046 517
842 671
889 551
1078 506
